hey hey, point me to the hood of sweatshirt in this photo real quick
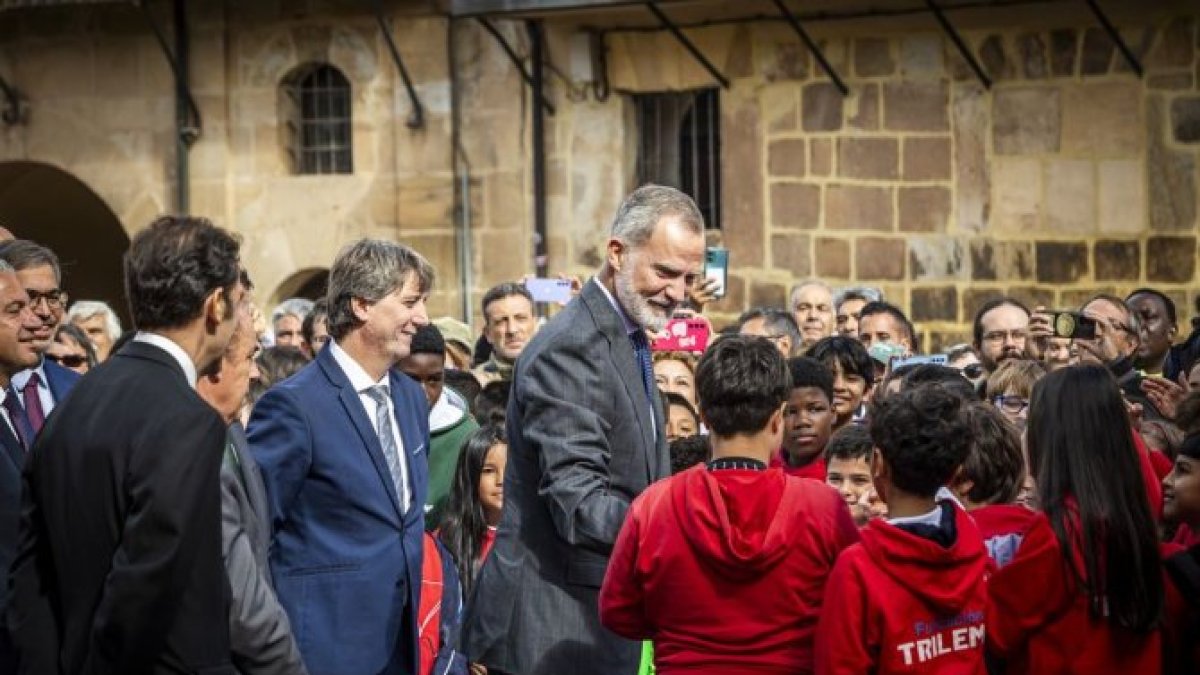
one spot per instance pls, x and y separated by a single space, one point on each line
734 519
449 410
942 573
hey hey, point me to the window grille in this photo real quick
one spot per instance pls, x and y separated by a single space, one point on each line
679 144
319 121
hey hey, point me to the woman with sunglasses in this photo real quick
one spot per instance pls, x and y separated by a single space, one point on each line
72 349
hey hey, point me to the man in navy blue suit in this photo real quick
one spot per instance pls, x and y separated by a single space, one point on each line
39 389
342 446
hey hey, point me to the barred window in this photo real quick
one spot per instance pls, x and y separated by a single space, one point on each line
679 144
317 111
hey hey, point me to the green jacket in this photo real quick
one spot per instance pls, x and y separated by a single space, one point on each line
445 445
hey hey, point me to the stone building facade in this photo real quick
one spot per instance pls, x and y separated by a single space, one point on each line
1068 176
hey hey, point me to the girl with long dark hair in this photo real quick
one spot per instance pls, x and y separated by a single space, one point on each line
1085 591
473 510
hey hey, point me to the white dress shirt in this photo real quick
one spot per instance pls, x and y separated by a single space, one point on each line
362 382
168 345
22 378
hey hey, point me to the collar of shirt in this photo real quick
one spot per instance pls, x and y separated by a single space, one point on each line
359 379
22 378
934 517
169 346
630 326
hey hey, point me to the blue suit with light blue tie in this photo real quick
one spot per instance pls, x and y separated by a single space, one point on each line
346 554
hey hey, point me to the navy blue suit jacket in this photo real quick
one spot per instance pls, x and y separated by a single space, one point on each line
346 562
60 380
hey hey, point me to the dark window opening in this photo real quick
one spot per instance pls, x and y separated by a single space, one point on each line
679 144
318 98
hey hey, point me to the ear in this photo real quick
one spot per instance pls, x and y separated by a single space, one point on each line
775 424
960 485
786 341
360 307
615 254
215 307
880 474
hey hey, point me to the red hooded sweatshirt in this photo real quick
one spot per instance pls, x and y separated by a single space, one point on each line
1039 622
903 603
724 570
1003 527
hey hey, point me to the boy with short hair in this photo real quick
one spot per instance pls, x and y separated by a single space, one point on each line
848 469
990 481
911 597
808 418
723 565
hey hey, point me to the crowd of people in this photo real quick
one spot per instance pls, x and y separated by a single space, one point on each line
350 487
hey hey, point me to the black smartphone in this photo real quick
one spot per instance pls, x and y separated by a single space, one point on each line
1073 325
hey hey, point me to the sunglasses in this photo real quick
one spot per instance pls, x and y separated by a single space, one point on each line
68 360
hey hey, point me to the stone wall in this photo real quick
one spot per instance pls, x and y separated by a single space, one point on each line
1068 177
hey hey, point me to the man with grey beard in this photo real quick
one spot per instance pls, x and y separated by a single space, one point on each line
586 436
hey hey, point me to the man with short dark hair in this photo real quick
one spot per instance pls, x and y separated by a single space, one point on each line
315 329
847 307
586 435
40 388
776 325
1000 330
342 445
1156 314
882 322
509 324
119 568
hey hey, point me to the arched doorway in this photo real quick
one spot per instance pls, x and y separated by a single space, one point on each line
50 206
307 283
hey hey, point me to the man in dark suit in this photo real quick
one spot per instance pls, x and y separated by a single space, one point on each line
17 352
342 446
119 566
39 389
586 436
260 634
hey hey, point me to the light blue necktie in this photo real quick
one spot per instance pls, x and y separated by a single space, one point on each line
387 440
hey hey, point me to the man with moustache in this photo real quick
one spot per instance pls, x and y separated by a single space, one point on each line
40 388
18 351
1000 332
586 436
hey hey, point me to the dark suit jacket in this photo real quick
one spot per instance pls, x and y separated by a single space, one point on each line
12 459
118 567
60 380
580 448
259 631
345 560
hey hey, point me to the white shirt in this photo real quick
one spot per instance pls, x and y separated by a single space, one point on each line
175 351
934 517
362 382
22 378
630 329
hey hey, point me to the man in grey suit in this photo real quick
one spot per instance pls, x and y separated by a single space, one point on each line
586 436
260 636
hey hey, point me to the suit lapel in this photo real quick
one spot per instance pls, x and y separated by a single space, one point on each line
251 477
414 444
612 327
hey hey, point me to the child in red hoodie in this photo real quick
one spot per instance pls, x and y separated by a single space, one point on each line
990 481
912 597
723 565
1084 593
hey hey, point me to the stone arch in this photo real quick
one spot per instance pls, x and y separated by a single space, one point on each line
48 205
306 283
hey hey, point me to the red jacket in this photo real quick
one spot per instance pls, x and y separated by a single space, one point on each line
1038 618
901 603
814 469
1003 527
724 570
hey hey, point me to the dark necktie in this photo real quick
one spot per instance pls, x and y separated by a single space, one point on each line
19 422
33 404
641 348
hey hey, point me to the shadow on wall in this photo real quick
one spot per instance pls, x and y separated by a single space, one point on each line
50 206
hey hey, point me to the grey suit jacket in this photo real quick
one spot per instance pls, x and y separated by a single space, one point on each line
260 635
581 447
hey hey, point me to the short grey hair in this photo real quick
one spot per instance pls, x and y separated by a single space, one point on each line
1131 317
802 284
644 207
5 267
370 269
864 293
86 309
297 307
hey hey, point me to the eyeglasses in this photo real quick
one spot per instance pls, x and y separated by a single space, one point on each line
1013 405
999 335
55 299
68 360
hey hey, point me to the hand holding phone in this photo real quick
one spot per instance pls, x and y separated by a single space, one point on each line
716 267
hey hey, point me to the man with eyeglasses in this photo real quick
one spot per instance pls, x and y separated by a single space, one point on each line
1117 340
1000 331
39 389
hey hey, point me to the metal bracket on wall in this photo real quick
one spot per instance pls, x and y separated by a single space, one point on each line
416 119
959 44
1115 36
813 48
13 112
687 44
515 58
190 132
